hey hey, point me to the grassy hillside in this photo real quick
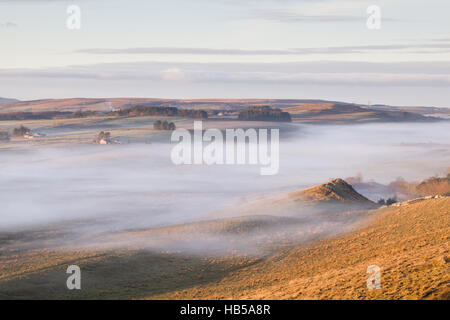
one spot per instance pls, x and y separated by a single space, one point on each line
410 244
434 185
333 197
301 110
351 113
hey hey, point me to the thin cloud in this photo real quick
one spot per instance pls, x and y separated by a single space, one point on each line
431 48
179 50
292 17
8 24
281 16
173 74
442 40
324 73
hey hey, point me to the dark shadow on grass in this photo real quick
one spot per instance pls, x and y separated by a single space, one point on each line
125 275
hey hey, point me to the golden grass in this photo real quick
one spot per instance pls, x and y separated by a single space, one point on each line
410 244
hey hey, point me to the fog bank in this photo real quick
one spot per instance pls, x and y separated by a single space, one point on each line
136 186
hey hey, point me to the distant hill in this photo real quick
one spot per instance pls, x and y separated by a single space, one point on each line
401 189
264 113
435 186
336 190
2 100
425 111
351 113
287 210
110 104
300 110
332 197
408 243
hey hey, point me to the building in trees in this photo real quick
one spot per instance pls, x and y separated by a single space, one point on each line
103 138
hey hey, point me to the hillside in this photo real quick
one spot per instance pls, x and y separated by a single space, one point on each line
352 113
289 218
435 185
409 243
301 110
425 111
334 196
106 104
4 100
336 190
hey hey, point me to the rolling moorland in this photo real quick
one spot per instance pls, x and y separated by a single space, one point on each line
78 120
311 243
4 100
317 111
409 240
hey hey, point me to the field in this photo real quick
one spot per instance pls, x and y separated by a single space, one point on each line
183 151
140 227
410 243
302 110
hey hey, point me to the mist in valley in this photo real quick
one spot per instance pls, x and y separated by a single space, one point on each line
103 195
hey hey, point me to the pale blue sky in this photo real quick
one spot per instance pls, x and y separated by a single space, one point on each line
227 49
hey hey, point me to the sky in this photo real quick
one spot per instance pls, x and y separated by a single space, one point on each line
303 49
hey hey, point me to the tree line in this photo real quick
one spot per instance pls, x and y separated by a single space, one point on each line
46 115
387 202
160 111
163 125
17 132
128 112
264 113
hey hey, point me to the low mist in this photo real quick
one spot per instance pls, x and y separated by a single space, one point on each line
86 189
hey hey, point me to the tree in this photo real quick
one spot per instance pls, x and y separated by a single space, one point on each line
21 131
105 136
391 201
78 114
264 113
163 125
388 201
4 136
157 125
